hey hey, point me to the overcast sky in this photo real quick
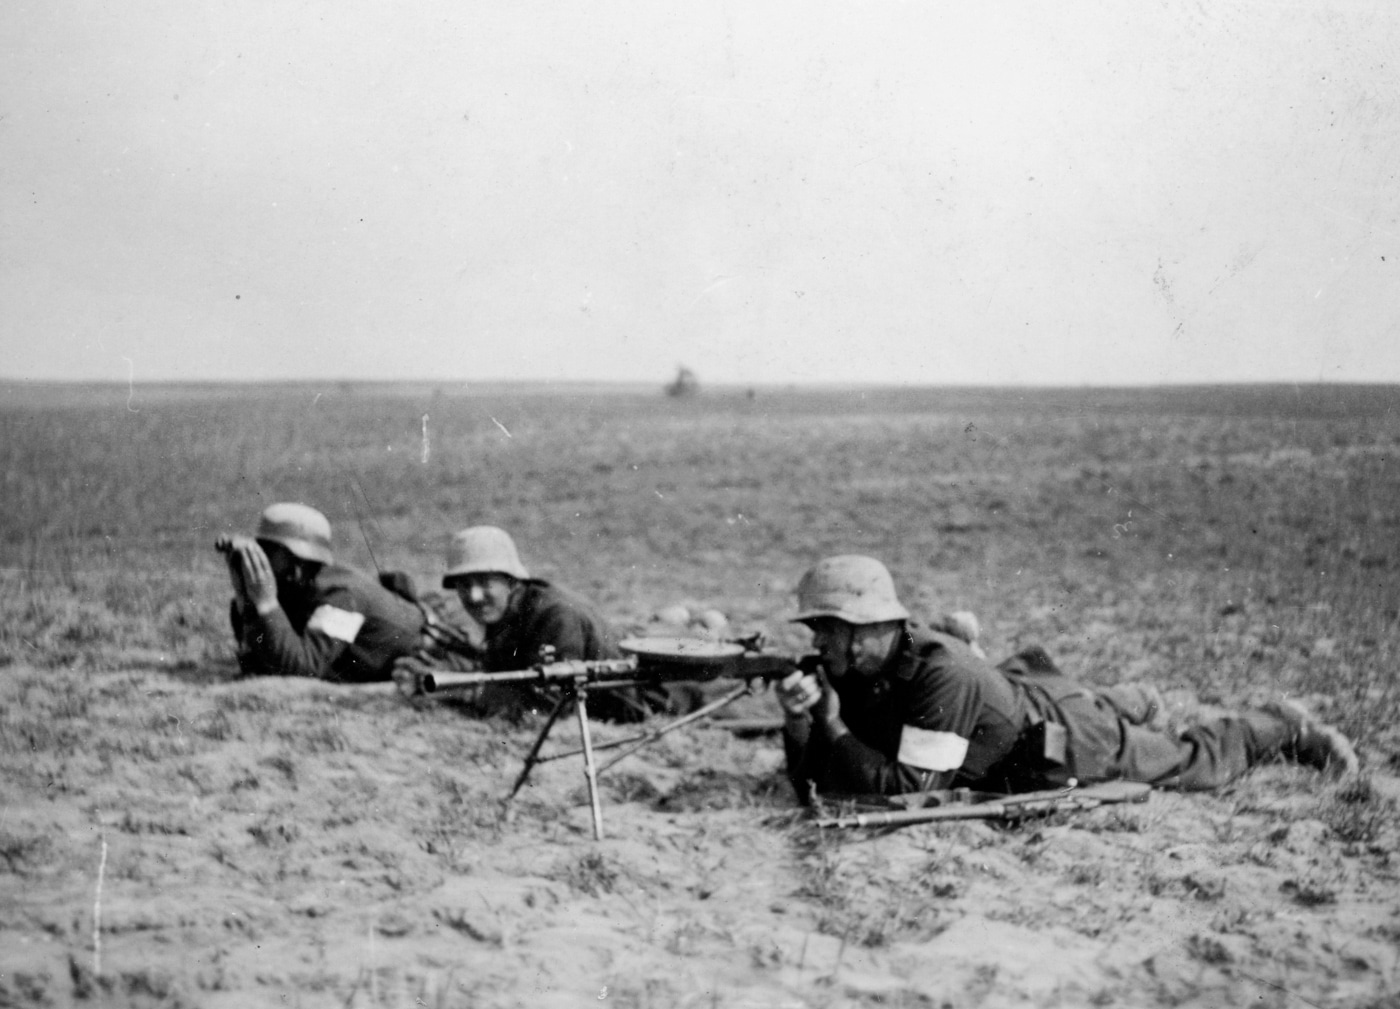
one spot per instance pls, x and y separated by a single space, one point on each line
935 192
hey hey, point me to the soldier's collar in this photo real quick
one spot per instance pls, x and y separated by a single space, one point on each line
898 665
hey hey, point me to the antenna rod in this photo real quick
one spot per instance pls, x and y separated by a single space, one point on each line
359 519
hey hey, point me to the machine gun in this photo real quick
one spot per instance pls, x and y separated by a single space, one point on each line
649 661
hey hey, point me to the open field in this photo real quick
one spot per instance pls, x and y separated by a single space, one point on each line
172 836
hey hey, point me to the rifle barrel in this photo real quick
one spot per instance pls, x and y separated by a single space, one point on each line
1004 807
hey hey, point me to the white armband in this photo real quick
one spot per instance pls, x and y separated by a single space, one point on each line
931 751
336 623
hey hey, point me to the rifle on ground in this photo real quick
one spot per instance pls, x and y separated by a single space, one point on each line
649 661
960 804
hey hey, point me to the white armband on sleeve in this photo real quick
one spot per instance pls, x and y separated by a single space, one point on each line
336 623
931 751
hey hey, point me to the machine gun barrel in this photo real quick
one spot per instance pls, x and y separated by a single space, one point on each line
651 660
600 672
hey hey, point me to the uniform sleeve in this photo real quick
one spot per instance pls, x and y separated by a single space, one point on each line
275 648
930 744
858 768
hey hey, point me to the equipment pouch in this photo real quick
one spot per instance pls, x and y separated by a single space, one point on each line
399 583
1047 742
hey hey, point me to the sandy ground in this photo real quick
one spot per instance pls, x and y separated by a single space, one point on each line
169 839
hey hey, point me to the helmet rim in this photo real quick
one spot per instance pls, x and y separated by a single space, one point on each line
849 587
303 530
482 550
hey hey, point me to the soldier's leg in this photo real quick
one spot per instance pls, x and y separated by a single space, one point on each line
1203 757
1138 703
1103 745
1215 753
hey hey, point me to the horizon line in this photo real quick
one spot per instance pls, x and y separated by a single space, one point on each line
824 385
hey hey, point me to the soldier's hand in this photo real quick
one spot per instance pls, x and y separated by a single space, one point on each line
797 693
828 706
408 673
258 580
228 545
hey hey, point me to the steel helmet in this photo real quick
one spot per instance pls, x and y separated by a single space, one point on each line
482 550
856 589
300 528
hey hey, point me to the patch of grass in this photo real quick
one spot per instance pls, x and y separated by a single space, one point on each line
476 926
27 988
314 739
706 788
866 908
592 874
1119 820
1234 916
691 935
29 735
200 777
135 745
134 822
463 817
483 744
1357 813
245 701
24 853
275 831
1207 949
628 787
1311 890
217 726
1086 874
283 763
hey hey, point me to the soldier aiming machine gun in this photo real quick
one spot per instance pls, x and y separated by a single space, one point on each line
649 661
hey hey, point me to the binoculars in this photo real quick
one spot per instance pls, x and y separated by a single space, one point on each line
227 543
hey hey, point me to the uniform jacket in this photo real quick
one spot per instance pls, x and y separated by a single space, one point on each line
347 627
938 716
551 615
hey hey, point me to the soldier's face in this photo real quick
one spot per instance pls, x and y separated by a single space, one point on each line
290 570
485 595
852 648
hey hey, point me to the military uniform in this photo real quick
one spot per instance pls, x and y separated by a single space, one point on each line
344 627
547 616
938 716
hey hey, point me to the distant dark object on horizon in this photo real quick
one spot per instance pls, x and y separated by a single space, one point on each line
684 384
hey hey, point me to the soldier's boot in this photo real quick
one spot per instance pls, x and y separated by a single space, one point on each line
1314 743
